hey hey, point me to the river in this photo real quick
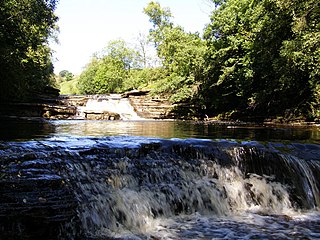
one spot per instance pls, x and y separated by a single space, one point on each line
24 130
164 179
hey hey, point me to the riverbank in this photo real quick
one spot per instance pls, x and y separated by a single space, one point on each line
67 107
257 124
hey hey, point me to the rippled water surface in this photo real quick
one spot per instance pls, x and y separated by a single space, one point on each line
11 130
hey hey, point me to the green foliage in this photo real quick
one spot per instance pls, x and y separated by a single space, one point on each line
176 87
119 68
160 18
302 50
263 57
63 73
70 87
146 78
181 53
64 76
67 83
25 59
106 74
257 58
86 84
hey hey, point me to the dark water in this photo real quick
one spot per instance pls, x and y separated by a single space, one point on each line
24 130
165 179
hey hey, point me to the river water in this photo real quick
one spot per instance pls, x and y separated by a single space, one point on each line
175 179
24 130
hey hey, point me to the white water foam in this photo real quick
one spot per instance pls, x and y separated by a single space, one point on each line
228 206
143 191
113 103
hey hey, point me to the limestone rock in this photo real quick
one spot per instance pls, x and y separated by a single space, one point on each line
36 203
104 115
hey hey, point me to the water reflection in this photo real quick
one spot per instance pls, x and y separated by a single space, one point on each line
14 129
118 128
182 129
24 130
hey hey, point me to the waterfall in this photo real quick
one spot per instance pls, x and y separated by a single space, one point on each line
162 180
140 187
109 104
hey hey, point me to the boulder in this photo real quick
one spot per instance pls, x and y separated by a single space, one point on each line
105 115
135 93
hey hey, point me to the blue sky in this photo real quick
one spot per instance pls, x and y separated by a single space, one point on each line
86 26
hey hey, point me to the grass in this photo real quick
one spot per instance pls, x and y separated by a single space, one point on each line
69 87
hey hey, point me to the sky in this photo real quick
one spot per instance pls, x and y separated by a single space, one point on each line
86 26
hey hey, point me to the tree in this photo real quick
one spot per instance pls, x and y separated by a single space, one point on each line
106 74
230 38
302 50
25 58
181 54
258 63
160 18
146 52
65 75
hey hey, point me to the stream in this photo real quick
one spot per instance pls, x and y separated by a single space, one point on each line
78 179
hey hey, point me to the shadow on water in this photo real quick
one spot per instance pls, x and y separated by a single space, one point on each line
20 130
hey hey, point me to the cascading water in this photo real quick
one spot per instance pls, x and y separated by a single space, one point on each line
147 188
112 103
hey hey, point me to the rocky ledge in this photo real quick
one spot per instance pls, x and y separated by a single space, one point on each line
36 203
45 110
46 104
101 115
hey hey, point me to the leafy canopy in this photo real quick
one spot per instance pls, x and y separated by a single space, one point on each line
106 73
25 58
263 57
257 58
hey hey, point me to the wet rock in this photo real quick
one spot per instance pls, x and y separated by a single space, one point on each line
37 110
36 202
135 93
31 208
104 115
47 186
74 100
